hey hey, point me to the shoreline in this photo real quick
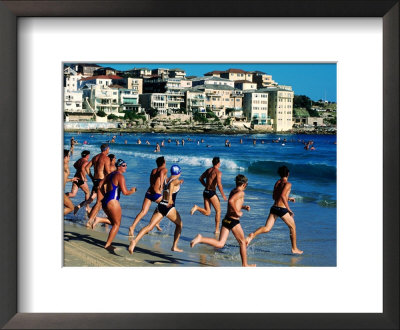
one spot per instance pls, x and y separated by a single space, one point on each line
201 131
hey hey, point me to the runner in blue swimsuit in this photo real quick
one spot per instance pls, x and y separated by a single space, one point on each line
111 188
166 208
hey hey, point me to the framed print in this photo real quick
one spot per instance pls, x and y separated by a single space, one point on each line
381 204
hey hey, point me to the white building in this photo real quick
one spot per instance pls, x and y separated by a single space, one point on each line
104 99
212 80
104 81
72 101
280 107
255 108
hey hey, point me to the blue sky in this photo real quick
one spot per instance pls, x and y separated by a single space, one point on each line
316 80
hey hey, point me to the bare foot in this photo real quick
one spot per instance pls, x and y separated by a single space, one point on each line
131 232
158 227
193 209
132 246
252 265
95 222
110 248
195 240
88 224
297 251
176 249
249 239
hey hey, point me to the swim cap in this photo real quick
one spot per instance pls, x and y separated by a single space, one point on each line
120 162
175 170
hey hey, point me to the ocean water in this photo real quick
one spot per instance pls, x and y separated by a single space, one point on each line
312 174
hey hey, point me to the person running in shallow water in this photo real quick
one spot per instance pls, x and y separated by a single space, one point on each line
101 165
80 175
166 208
112 186
231 221
68 205
210 179
153 194
280 209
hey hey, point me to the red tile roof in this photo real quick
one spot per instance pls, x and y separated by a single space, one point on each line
235 71
214 72
102 77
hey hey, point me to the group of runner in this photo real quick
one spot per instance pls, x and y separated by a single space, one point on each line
109 181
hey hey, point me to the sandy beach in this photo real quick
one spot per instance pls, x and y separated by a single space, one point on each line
84 247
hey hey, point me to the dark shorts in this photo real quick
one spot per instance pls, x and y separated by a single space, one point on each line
164 209
79 182
229 222
209 193
96 183
152 197
279 211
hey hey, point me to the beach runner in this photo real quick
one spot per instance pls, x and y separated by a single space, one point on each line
101 166
68 205
280 209
153 193
210 179
166 208
112 186
80 175
231 221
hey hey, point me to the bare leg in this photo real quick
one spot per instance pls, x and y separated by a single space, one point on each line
101 220
288 219
95 209
264 229
74 190
175 217
212 241
217 206
155 219
87 200
114 212
69 206
206 211
237 231
145 208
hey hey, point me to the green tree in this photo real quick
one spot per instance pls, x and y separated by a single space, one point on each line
302 101
101 113
112 116
199 118
152 112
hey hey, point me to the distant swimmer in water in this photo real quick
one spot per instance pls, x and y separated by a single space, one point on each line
126 142
254 141
139 142
183 142
231 221
153 194
241 141
162 143
280 209
112 186
157 149
68 205
147 142
166 208
211 179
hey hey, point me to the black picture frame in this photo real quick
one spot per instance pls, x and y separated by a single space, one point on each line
9 13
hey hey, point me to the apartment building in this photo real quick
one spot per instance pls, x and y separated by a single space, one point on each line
195 100
103 98
71 79
171 87
156 101
236 74
245 85
104 71
135 84
86 69
255 108
72 100
176 73
138 73
263 80
128 100
102 81
280 107
212 80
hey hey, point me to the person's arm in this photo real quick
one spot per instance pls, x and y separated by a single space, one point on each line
163 174
122 185
202 178
219 184
246 207
284 194
232 203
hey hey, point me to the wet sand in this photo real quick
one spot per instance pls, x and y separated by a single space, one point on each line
84 247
